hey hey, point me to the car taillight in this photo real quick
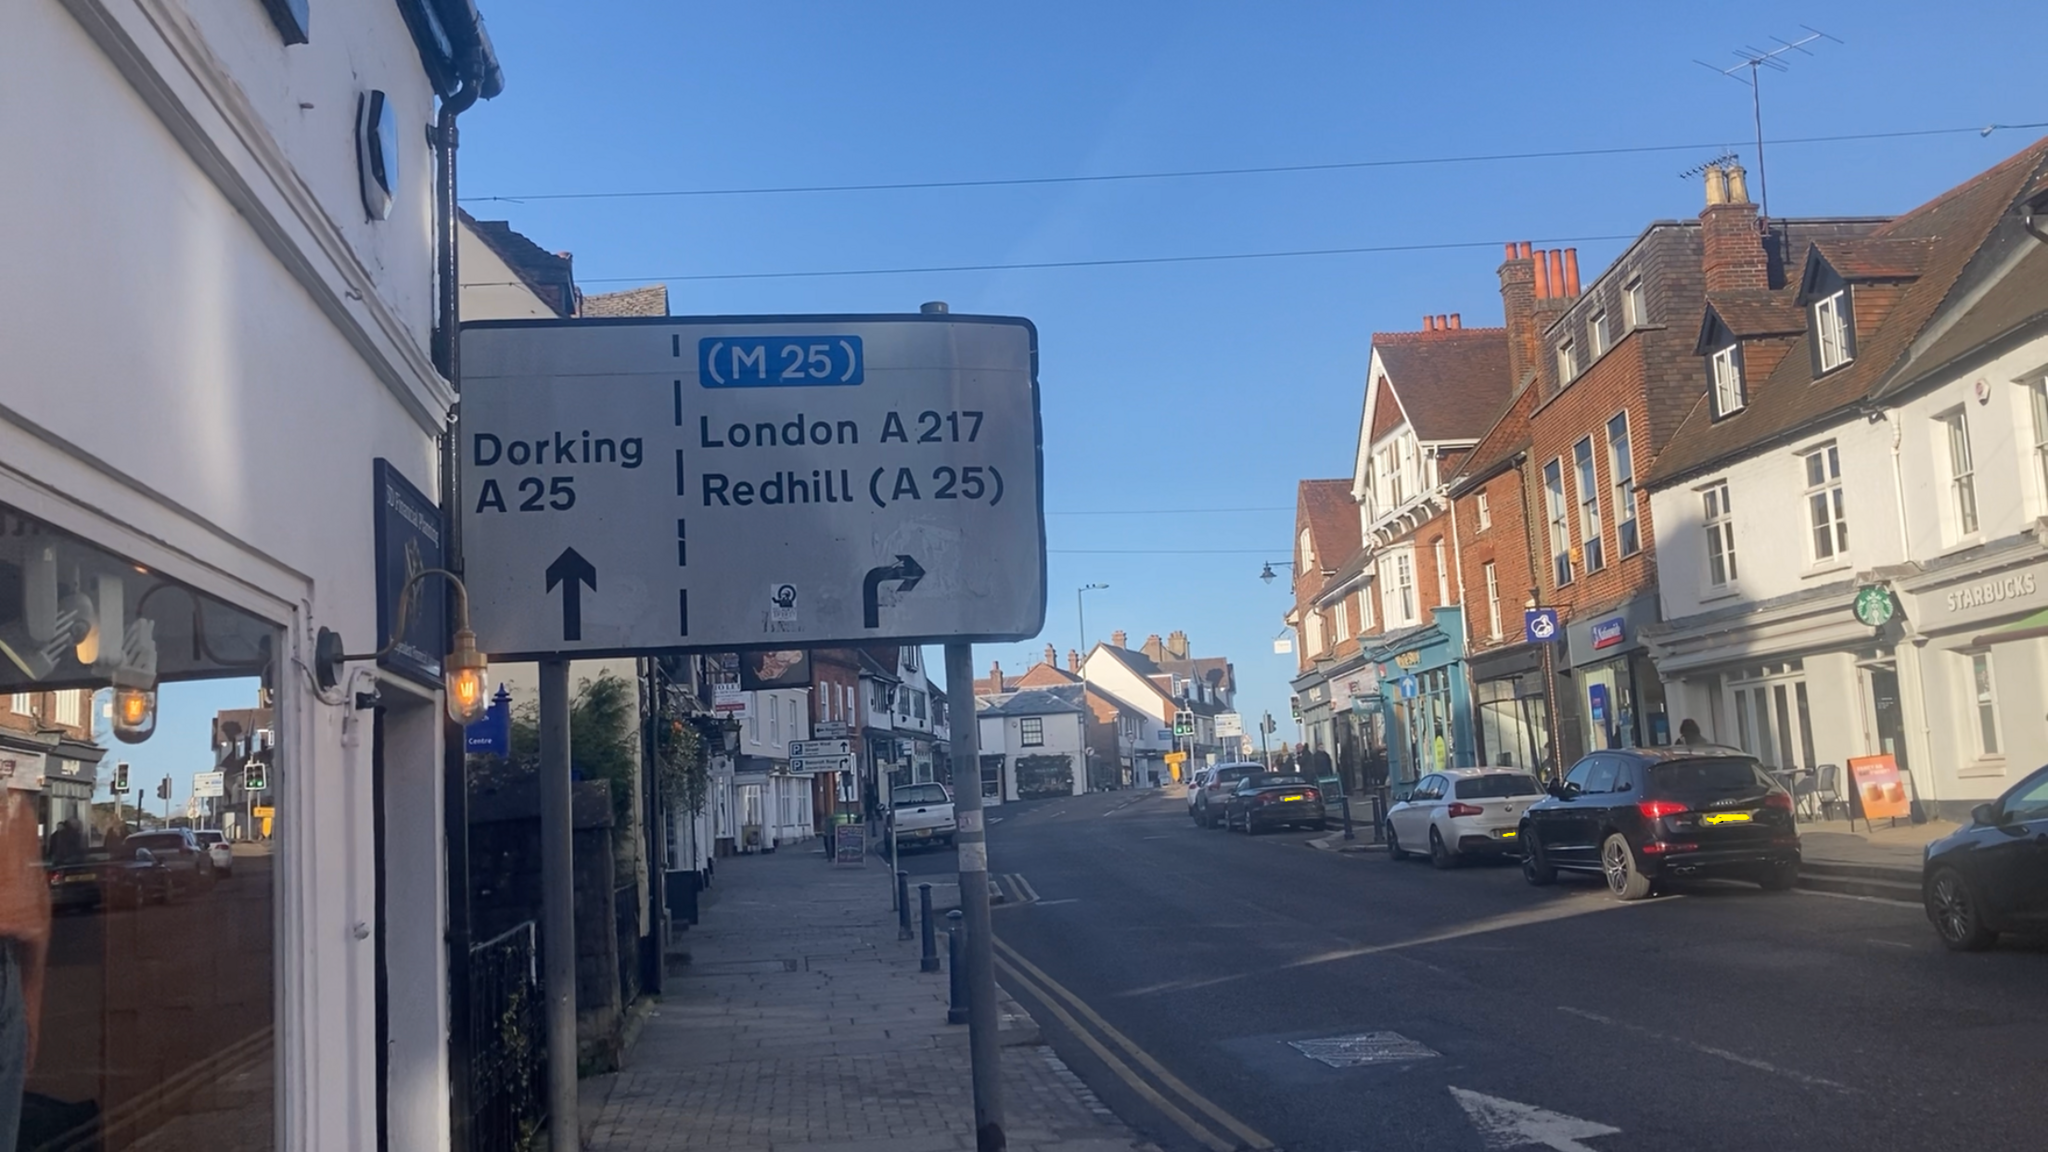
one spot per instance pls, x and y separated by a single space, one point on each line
1314 795
1779 800
1462 809
1653 809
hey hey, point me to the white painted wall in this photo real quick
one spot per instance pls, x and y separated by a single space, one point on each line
491 290
1063 732
203 360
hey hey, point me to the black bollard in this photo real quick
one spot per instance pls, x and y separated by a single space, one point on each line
902 905
929 962
1348 834
956 972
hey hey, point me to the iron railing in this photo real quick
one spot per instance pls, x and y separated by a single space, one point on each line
508 1042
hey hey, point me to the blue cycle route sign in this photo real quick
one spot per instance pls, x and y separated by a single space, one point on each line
1539 625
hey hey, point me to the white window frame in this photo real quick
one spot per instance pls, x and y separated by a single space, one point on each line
1307 554
1831 330
1031 731
1586 471
1827 521
1404 587
1492 601
22 703
1486 512
1599 336
2037 412
1963 520
1621 477
1443 575
1560 522
1635 304
1717 529
1981 692
1567 362
1728 392
1343 620
71 707
1365 620
1314 638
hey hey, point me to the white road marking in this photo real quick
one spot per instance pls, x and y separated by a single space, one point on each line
1061 900
1888 943
1507 1124
1708 1049
1853 896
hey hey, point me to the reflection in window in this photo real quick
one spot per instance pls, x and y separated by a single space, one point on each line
138 926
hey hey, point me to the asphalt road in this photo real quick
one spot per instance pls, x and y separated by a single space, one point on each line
1175 968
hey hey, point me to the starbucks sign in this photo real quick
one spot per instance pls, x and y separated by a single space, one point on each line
1874 605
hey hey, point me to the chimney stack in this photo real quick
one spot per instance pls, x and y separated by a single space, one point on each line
1542 276
1457 321
1518 304
1556 273
995 676
1052 656
1731 237
1571 272
1118 638
1428 323
1074 660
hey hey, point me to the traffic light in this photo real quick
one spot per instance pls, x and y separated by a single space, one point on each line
253 777
1294 706
1183 724
163 790
121 776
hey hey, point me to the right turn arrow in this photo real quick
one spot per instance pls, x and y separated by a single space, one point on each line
906 570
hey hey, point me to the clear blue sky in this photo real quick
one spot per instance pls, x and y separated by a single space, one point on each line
1192 386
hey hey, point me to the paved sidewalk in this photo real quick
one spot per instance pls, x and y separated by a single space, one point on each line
803 1023
1833 842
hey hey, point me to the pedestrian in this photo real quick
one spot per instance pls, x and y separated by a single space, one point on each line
1689 731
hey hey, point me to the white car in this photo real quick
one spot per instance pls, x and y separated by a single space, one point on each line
216 846
1461 813
922 813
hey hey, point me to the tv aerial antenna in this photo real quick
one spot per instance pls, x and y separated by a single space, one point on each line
1755 61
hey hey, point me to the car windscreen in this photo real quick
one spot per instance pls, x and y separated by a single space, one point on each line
1232 775
1273 780
1497 785
1679 777
920 794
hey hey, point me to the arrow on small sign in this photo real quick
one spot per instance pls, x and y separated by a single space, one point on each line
572 572
1506 1124
905 570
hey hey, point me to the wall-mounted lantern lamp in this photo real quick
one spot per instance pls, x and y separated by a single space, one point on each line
465 673
1268 575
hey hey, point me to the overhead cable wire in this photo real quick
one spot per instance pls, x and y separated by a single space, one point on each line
1203 173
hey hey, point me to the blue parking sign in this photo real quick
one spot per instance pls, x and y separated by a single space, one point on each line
1539 625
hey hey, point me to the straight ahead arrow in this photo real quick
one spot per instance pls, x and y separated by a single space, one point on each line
572 571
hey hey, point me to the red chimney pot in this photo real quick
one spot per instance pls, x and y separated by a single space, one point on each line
1571 271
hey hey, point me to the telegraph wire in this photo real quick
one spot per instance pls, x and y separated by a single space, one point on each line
1204 173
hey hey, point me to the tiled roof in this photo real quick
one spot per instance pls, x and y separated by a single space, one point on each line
1876 257
649 301
1508 435
1759 311
546 274
1331 516
1034 702
2020 298
1451 382
1955 226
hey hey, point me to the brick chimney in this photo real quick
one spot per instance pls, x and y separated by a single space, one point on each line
995 676
1052 656
1731 236
1153 648
1518 302
1119 638
1177 643
1074 660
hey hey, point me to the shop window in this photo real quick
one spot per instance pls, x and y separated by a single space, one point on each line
1984 696
1717 520
1621 470
1589 505
1031 732
144 958
1827 524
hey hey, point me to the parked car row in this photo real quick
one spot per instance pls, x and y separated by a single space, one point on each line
1635 817
1255 799
1991 875
145 868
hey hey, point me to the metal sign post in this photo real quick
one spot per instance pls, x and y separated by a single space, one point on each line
971 842
643 486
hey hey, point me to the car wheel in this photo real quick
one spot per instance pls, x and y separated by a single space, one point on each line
1953 907
1394 851
1439 854
1618 864
1536 868
1779 877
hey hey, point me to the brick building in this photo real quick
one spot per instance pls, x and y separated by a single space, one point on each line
46 736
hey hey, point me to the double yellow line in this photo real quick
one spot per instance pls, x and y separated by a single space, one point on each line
1064 1005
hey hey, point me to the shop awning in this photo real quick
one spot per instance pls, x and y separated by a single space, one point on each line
2030 627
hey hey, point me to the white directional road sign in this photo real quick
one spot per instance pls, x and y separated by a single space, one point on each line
820 748
209 784
1229 724
670 483
821 763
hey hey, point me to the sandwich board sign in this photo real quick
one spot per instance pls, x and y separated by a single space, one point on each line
653 484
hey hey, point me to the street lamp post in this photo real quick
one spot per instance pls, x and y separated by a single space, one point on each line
1081 620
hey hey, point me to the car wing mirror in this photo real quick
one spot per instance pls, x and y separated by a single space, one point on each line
1986 814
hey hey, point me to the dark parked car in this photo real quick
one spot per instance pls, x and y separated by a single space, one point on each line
1639 815
1991 876
97 879
1213 787
189 862
1273 799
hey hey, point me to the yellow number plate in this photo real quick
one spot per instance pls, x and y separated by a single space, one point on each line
1725 818
1296 796
1507 834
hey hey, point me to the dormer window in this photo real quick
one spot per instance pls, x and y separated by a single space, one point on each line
1729 397
1599 334
1831 330
1567 362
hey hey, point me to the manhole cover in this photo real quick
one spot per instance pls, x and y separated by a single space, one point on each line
1363 1048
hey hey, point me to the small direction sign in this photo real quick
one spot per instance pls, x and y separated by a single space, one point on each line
828 729
1229 724
673 484
209 784
809 748
816 764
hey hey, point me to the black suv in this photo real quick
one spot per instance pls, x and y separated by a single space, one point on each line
1638 815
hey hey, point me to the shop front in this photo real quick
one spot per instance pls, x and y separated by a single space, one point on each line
1512 710
1312 701
1358 747
1981 638
1617 699
1425 702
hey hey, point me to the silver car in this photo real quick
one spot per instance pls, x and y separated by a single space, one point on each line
1213 787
